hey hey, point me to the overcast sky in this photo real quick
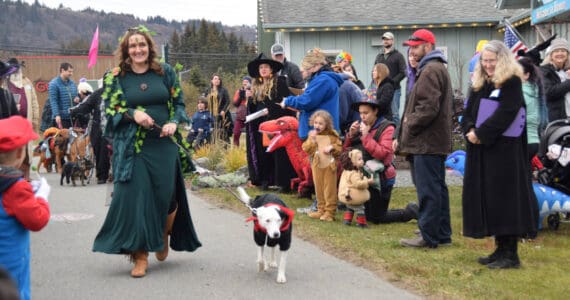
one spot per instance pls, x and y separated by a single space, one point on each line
229 12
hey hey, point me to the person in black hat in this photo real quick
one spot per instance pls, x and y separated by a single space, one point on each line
8 106
268 90
373 136
27 102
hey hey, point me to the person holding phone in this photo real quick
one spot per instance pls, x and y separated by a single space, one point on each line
240 101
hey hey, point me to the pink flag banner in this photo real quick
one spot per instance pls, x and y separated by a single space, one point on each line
94 49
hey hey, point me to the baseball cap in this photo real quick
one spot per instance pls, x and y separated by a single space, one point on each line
277 49
420 36
15 132
388 36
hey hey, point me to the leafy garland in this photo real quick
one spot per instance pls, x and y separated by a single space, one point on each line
118 104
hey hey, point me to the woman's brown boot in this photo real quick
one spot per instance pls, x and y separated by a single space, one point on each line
140 258
161 255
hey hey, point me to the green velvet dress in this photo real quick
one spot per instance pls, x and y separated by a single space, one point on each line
137 215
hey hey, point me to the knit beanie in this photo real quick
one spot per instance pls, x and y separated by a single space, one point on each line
556 44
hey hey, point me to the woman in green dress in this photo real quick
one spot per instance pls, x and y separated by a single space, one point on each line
143 106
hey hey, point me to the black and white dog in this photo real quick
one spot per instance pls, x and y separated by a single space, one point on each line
273 225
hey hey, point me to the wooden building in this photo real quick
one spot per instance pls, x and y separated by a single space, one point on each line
357 27
42 69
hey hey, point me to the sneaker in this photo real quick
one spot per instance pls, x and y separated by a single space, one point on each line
505 263
417 232
314 205
417 242
347 222
327 217
362 225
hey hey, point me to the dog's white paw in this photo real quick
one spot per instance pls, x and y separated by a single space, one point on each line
281 278
261 266
273 264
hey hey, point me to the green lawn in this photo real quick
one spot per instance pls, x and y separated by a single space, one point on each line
446 272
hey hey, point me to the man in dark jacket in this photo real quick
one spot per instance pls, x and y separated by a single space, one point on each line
290 70
397 65
425 138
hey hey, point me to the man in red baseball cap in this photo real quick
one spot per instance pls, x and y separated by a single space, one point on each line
23 206
420 36
424 137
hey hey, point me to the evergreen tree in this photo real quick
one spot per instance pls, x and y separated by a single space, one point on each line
175 42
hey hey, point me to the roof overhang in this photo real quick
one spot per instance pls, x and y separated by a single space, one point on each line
513 4
348 26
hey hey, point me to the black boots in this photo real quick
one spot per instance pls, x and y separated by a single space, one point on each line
505 255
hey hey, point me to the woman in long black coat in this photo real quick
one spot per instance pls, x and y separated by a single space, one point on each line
268 90
498 199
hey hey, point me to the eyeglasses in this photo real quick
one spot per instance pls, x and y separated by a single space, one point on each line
415 38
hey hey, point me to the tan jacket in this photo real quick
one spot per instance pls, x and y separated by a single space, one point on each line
353 188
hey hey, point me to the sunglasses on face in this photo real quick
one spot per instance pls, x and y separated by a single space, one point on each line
415 38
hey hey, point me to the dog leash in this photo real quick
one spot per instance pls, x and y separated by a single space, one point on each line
155 126
228 188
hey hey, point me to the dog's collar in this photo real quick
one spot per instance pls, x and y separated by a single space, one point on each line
286 224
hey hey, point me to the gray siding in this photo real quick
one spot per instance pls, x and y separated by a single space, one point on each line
460 43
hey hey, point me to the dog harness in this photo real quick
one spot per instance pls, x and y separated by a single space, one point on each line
284 227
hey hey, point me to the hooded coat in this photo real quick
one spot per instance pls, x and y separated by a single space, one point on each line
427 119
321 93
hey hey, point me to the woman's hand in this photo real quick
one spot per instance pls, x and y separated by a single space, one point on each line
168 129
472 137
354 128
364 129
143 119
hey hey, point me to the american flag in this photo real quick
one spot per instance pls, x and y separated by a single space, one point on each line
513 42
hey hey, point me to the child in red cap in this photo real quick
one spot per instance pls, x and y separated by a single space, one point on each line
23 206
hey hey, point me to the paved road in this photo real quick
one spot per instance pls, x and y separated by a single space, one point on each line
63 266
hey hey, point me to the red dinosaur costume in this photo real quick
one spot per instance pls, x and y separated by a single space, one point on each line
284 134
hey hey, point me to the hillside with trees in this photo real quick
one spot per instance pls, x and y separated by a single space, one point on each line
198 47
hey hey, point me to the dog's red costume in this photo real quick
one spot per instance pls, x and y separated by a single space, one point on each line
284 132
284 227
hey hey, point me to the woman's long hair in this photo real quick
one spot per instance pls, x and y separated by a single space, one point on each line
382 72
262 88
506 67
535 78
122 52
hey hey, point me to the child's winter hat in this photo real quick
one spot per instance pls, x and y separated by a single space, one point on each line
15 132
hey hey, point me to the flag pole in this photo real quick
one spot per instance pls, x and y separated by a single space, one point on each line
508 24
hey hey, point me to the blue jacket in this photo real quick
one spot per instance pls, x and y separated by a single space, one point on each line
202 119
349 93
14 244
321 93
61 96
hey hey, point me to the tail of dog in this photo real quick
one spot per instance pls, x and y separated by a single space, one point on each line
243 196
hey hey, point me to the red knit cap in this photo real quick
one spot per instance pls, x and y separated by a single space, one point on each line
15 132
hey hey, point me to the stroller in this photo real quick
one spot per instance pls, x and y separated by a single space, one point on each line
554 154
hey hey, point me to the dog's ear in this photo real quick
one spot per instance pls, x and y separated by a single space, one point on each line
284 216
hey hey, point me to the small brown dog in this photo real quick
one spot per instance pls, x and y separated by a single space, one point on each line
56 140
